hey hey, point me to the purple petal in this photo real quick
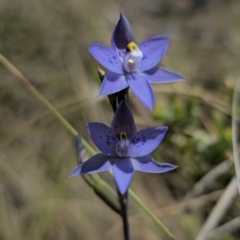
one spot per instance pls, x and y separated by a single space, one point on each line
153 49
123 173
142 89
103 137
106 57
147 164
146 141
113 83
123 120
161 75
122 36
97 163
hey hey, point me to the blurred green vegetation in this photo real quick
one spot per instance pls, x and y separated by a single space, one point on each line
47 41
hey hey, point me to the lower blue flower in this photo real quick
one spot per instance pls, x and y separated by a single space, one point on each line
124 150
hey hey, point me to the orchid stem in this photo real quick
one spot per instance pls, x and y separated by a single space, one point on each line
99 185
123 199
114 100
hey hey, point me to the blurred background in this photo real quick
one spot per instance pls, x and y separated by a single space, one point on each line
47 41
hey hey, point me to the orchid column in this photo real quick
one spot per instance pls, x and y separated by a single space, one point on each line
123 149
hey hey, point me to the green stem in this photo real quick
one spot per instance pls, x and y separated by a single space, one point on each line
151 214
96 182
100 187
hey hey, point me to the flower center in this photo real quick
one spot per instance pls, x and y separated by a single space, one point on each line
132 58
122 146
132 46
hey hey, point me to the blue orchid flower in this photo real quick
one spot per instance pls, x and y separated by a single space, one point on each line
132 65
124 150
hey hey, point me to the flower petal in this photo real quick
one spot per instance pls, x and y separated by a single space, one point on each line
123 120
161 75
147 164
112 83
97 163
153 49
103 137
106 57
142 89
146 141
122 36
123 173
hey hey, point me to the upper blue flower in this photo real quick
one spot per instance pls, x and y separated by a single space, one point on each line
133 65
123 149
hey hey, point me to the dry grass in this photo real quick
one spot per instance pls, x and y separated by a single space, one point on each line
47 41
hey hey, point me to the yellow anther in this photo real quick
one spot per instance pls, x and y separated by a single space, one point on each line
132 46
122 135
